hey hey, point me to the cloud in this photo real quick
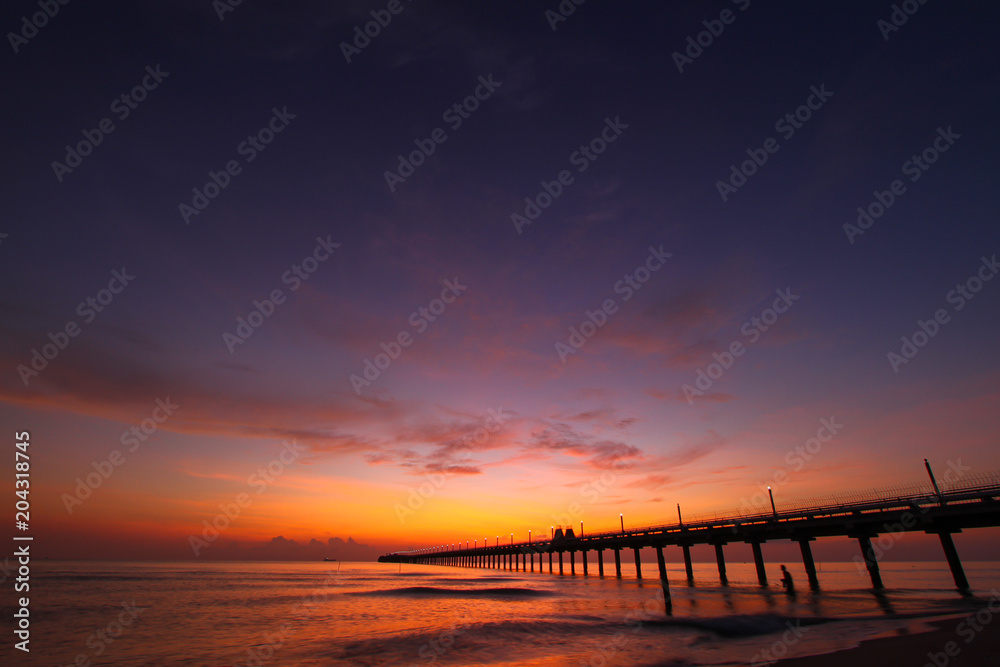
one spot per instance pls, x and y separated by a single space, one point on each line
678 396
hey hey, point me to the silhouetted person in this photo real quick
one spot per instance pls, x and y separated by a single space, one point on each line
786 580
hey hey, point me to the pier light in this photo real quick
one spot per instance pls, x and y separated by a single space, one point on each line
512 539
622 519
552 532
581 529
771 494
529 536
498 540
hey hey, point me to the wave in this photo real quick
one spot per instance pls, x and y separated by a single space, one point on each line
435 591
741 625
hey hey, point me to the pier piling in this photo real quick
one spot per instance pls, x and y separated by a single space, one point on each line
688 568
663 577
807 560
953 561
758 560
871 561
720 559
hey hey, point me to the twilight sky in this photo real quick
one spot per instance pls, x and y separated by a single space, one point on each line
607 269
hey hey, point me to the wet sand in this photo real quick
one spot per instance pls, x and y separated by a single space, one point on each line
912 650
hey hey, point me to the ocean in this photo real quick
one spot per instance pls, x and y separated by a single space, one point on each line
279 613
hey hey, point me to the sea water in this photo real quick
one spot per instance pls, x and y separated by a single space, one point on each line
279 613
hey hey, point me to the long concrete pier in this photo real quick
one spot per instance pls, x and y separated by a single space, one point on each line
974 503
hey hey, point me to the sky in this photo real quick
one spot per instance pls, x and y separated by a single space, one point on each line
488 268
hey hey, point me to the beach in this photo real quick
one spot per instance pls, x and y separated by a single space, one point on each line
915 649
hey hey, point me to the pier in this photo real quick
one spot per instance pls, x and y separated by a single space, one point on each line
968 504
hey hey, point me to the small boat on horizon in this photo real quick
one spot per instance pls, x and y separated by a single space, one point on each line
329 560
